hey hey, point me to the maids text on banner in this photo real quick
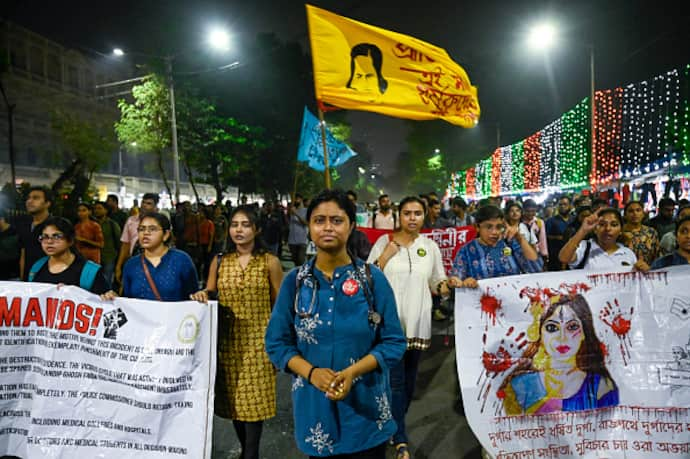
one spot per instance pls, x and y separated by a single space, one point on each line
577 364
81 377
362 67
311 145
449 240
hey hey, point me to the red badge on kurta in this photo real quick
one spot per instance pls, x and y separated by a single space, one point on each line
350 287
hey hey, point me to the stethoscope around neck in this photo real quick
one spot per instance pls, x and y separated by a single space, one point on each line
310 280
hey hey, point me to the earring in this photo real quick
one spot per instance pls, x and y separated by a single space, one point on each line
541 360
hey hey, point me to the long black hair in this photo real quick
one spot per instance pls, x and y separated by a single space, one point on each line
250 212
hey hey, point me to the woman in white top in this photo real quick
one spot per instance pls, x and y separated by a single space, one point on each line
603 252
413 266
513 218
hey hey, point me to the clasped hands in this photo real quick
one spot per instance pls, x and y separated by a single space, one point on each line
335 384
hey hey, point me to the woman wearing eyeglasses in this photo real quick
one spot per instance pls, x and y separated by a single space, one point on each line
63 264
499 250
159 272
336 329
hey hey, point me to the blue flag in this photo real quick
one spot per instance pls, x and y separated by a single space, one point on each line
311 147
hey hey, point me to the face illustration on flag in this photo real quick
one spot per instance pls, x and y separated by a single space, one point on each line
311 145
362 67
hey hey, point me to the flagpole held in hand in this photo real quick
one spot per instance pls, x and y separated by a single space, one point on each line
327 173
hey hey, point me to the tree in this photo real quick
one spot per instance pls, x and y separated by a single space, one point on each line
88 145
146 123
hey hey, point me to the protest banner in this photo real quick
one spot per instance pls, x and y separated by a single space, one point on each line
449 240
577 364
81 377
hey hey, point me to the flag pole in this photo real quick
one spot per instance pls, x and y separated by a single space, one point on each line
327 173
294 187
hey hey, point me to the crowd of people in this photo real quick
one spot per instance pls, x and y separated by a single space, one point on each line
351 321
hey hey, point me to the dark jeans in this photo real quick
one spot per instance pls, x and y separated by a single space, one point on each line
403 379
249 434
377 452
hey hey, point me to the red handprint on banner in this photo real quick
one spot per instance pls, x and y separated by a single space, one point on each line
620 323
495 362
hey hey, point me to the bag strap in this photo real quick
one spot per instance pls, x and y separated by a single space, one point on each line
148 277
88 274
36 267
582 263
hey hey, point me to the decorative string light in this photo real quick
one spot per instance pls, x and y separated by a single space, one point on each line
496 172
638 129
518 156
532 164
506 179
471 186
574 157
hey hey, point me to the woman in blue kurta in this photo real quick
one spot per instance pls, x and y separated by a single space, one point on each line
335 328
172 271
498 250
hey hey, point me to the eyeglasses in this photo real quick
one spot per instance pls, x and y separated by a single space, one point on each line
51 237
498 228
149 229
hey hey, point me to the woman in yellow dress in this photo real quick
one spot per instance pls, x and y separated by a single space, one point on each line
247 279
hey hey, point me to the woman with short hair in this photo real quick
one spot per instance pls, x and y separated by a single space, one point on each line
63 264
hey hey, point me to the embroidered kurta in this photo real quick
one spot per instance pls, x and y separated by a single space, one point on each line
480 261
331 329
413 272
249 378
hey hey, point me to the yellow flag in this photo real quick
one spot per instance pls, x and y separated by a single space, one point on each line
362 67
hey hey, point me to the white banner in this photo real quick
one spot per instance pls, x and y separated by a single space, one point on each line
575 364
85 378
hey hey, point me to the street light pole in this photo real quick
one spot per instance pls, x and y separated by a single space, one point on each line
173 123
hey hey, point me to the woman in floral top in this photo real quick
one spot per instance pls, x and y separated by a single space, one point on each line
335 328
641 239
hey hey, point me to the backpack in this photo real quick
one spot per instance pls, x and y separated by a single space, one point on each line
86 279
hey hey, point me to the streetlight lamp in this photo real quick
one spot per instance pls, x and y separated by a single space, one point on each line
218 39
543 36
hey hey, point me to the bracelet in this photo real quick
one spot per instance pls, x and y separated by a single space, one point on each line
438 286
310 372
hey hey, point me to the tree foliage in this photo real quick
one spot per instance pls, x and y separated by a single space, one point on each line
146 123
87 146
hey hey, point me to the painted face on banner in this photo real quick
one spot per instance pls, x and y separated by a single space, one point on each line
562 334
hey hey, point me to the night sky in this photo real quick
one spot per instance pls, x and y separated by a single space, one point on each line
520 90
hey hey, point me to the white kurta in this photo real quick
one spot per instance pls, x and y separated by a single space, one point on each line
412 272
